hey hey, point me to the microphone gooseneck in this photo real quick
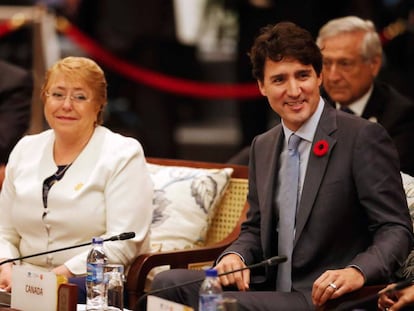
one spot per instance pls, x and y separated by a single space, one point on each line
268 262
122 236
400 285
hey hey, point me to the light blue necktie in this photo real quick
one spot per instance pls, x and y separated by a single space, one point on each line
287 202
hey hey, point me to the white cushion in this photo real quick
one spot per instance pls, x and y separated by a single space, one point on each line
185 200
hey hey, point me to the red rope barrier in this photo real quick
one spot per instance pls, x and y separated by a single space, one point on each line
10 26
4 29
157 80
161 81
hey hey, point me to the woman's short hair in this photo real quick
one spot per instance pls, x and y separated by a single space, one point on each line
81 69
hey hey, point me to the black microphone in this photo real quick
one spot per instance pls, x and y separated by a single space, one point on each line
122 236
268 262
356 303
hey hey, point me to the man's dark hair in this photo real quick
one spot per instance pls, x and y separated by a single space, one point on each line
284 40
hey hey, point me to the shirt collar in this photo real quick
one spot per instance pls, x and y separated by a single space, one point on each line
358 106
308 129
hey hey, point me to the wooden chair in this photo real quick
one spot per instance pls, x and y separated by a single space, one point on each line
223 230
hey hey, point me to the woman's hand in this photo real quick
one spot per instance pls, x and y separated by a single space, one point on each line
6 276
2 174
63 270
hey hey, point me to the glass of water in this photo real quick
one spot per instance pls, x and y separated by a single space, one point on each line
230 304
114 281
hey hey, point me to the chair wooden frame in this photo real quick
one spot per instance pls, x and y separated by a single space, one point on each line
193 258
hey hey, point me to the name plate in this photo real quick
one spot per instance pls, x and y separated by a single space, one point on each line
33 289
155 303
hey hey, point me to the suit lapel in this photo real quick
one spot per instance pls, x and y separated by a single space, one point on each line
316 167
375 105
268 166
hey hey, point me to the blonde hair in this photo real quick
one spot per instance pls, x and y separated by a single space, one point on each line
80 69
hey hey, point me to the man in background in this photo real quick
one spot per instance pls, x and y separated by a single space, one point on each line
352 59
16 88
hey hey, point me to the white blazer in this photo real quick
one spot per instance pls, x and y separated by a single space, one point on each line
106 191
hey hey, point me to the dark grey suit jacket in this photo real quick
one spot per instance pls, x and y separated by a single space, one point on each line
16 87
353 209
395 112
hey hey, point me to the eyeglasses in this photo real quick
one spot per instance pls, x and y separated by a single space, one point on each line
343 64
75 98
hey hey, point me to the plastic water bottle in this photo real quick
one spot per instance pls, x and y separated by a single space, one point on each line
211 293
95 285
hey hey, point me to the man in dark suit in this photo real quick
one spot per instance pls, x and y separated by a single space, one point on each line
352 55
16 88
351 222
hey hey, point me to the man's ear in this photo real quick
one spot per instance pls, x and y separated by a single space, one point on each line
261 87
375 65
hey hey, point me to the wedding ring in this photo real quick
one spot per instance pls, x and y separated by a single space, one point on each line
333 286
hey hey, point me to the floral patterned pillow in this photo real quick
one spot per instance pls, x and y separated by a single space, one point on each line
408 183
407 271
185 200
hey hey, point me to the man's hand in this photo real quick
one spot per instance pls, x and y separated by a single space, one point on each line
233 262
395 300
335 283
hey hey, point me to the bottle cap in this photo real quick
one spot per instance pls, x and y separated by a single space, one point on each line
97 239
211 272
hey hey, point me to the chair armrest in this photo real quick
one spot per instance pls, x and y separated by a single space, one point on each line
217 240
364 298
144 263
137 275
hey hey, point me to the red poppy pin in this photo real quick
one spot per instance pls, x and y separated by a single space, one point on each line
320 148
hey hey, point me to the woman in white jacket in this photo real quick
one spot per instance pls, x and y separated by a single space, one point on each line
74 181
